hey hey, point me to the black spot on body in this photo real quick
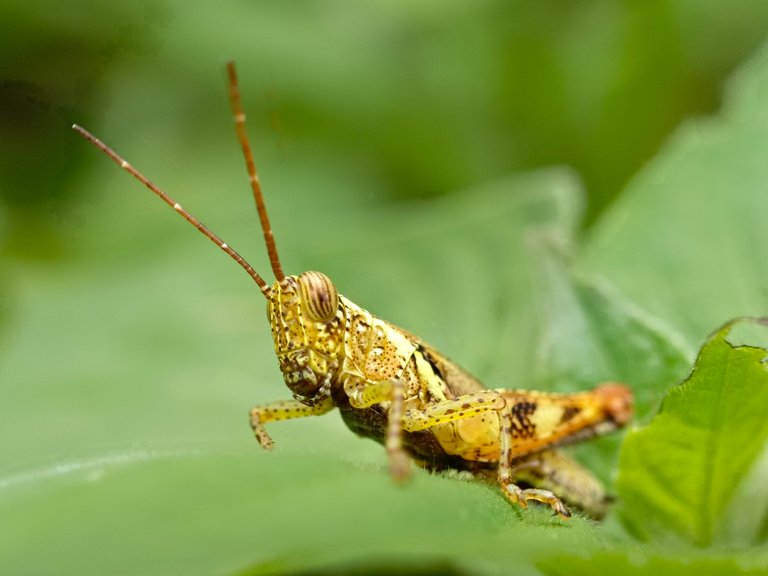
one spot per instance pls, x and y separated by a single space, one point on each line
524 408
568 413
521 423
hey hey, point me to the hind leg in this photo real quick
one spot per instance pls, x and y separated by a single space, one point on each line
555 471
506 474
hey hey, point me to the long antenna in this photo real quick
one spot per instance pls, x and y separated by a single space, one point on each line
237 110
175 205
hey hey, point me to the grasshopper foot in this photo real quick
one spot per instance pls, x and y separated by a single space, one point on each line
520 497
263 438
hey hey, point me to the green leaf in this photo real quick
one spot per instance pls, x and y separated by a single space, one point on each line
680 476
645 562
686 239
591 333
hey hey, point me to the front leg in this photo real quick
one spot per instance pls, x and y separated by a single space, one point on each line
283 410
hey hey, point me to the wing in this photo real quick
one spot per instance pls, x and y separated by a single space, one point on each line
458 381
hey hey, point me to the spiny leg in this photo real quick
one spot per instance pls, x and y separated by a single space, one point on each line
283 410
506 473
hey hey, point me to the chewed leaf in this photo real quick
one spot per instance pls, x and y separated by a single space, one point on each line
681 477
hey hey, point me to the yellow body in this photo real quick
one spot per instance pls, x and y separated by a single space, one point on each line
394 388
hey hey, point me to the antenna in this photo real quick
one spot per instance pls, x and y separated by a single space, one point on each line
237 111
177 207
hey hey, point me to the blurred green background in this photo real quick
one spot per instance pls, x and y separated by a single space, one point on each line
423 98
395 142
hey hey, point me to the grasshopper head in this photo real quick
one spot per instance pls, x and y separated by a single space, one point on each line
304 311
308 329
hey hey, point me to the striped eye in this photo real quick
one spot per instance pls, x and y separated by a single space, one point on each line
319 296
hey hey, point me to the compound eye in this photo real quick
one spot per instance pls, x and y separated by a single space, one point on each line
319 296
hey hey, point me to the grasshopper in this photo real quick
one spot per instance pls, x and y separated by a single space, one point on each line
391 386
